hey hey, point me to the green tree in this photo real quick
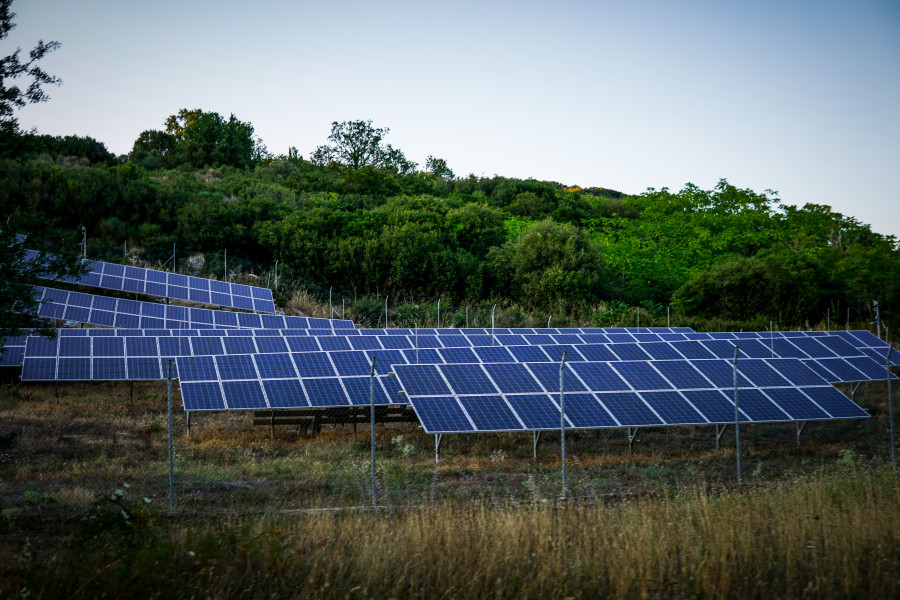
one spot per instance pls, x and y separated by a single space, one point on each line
550 267
356 144
437 167
19 273
12 67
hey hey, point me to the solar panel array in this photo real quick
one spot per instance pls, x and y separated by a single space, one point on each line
524 396
112 276
831 357
106 311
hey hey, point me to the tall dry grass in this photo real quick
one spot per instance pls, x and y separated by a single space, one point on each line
831 535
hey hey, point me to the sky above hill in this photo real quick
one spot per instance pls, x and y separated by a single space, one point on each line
798 97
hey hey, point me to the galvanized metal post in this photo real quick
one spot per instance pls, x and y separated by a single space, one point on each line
639 319
276 274
877 317
737 419
772 337
891 401
171 445
83 242
467 316
548 321
492 324
372 426
226 265
562 423
668 319
331 308
385 311
439 313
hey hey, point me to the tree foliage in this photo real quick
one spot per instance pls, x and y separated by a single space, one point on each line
356 144
13 67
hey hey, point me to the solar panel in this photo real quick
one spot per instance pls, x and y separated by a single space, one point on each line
258 381
150 282
131 314
649 399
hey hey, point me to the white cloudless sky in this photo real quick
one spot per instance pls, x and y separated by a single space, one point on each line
799 97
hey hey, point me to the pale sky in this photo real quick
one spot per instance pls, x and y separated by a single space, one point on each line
798 97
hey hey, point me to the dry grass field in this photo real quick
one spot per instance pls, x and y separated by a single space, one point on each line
85 514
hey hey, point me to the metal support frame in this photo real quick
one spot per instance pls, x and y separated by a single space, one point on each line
720 430
439 314
536 439
437 448
801 425
854 388
632 433
187 422
272 424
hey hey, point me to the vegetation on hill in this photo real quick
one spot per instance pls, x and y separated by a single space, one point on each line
362 220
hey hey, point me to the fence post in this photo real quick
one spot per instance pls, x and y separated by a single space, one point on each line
372 426
737 419
171 448
562 423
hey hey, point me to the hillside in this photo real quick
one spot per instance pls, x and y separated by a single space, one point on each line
359 219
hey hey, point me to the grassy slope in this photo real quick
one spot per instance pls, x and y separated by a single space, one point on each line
816 521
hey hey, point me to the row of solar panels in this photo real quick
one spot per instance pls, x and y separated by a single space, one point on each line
441 338
106 311
598 394
819 346
150 282
71 358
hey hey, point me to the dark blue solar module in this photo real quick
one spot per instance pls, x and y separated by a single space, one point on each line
629 351
513 378
869 367
715 405
758 407
548 376
285 393
244 395
358 391
422 380
795 403
536 411
599 377
682 375
440 414
672 408
837 404
202 395
326 391
628 409
468 379
584 411
641 375
490 413
458 355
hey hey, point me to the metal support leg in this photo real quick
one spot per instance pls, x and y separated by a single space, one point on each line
437 448
536 441
354 419
272 424
632 432
187 420
801 425
720 430
853 389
